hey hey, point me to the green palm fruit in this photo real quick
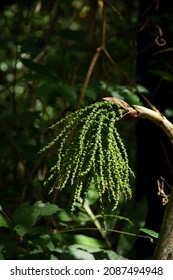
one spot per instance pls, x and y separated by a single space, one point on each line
89 149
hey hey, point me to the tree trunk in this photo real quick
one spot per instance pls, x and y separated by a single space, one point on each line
154 151
164 246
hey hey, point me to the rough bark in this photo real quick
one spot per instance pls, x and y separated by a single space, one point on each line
164 245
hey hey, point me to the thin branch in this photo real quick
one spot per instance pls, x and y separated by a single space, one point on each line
97 224
114 9
102 48
164 245
147 101
163 51
104 26
94 59
88 76
109 230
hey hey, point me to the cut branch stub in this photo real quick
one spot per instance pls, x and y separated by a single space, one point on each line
131 113
143 112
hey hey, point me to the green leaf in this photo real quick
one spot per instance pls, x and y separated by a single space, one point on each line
49 210
118 217
26 215
43 242
150 232
91 93
87 240
4 221
64 216
46 209
84 252
53 90
76 252
164 75
92 196
107 255
40 230
21 230
137 214
68 92
126 93
40 69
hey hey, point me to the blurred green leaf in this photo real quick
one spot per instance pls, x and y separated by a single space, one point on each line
121 218
26 215
40 69
87 240
168 112
66 92
32 45
76 252
126 93
40 230
4 221
163 74
21 230
43 243
49 209
84 252
150 232
64 216
107 255
92 196
137 214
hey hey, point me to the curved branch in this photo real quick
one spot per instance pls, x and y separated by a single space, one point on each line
164 245
157 118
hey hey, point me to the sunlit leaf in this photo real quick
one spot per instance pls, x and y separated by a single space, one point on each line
150 232
87 240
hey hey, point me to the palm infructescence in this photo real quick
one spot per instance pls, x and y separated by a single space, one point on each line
89 149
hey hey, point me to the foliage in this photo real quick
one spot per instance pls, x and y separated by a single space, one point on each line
28 235
57 57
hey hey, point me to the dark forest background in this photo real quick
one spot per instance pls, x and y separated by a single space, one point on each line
55 58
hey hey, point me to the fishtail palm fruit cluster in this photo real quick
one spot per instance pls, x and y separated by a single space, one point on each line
89 149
